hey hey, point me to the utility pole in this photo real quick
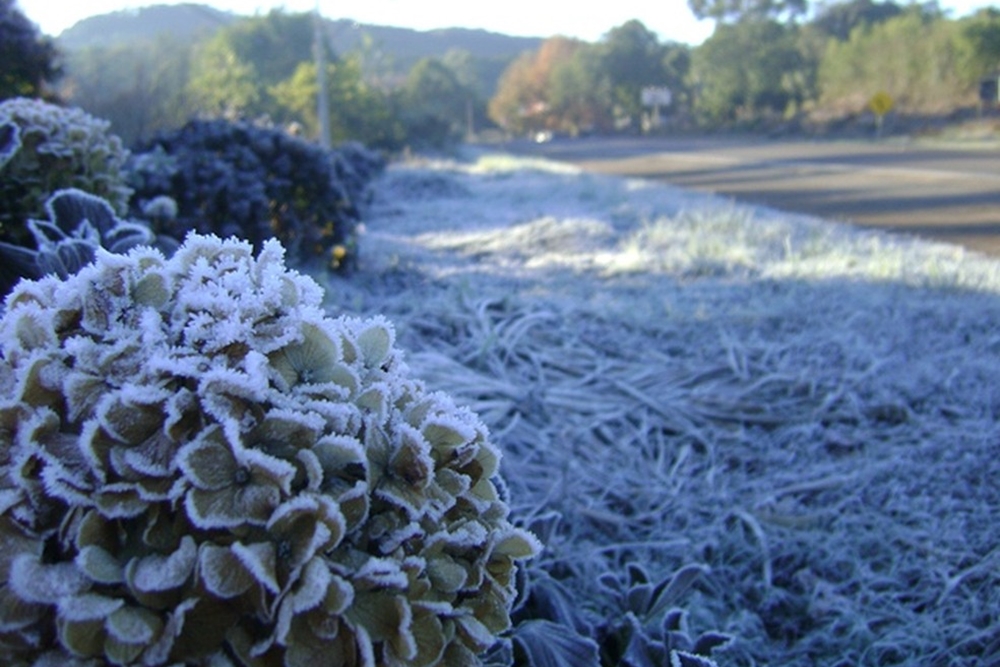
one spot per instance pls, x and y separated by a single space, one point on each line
323 103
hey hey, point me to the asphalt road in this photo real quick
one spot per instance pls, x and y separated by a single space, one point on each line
944 193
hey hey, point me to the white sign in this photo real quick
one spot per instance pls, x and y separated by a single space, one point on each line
655 96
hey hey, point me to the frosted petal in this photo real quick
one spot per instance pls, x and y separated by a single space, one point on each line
222 571
99 565
260 559
209 464
120 501
133 625
310 361
375 342
34 582
162 573
311 588
88 607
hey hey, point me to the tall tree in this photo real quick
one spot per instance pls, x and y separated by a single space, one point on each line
239 65
434 104
29 59
980 45
358 111
839 19
745 71
733 11
632 58
580 94
523 99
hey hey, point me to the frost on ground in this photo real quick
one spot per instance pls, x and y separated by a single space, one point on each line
807 409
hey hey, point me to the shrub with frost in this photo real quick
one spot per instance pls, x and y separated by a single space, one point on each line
77 225
236 178
45 148
198 466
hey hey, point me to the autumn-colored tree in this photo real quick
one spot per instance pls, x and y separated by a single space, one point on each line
523 102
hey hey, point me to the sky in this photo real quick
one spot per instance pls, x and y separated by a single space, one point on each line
670 19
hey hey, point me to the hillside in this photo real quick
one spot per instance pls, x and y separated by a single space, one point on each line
190 21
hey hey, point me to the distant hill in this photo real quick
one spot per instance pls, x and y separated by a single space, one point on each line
184 22
192 21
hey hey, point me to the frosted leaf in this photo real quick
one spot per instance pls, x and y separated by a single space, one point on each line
34 582
82 637
297 527
387 618
132 414
120 500
36 386
99 565
465 536
375 342
17 614
133 625
30 327
339 596
428 635
380 573
446 575
156 573
208 463
260 560
311 468
152 458
474 633
375 400
222 571
152 290
311 589
158 652
82 392
88 607
231 507
445 432
310 361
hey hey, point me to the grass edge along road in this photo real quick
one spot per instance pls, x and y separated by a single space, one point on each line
946 193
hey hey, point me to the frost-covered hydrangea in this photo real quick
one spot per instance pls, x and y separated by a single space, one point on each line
45 148
197 466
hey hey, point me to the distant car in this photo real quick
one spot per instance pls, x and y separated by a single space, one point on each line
543 137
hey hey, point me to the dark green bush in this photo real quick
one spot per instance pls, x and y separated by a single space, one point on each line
253 182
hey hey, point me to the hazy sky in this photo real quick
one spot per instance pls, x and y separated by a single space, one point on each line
670 19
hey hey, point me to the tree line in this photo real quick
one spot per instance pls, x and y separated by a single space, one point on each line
764 64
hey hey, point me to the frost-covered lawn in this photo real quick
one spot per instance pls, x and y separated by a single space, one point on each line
807 409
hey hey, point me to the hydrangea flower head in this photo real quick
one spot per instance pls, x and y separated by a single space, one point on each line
199 466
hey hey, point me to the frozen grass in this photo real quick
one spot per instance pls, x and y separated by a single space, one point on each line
806 408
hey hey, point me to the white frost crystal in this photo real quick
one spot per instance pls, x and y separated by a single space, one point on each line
198 466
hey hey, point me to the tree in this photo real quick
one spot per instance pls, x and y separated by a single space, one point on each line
734 11
523 100
631 58
980 45
30 60
746 71
914 57
434 104
839 19
357 111
580 94
222 83
238 66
